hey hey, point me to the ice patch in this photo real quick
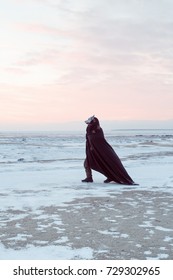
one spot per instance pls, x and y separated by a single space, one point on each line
158 257
46 253
138 245
163 229
147 252
146 224
124 235
168 238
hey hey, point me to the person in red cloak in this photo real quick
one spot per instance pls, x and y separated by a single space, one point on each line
101 157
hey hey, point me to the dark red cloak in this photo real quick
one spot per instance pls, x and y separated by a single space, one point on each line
102 158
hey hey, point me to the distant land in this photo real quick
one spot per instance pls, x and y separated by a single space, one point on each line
80 125
111 125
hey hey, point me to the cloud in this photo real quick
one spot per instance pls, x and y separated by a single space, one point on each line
105 56
45 29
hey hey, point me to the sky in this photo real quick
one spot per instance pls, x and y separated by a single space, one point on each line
65 60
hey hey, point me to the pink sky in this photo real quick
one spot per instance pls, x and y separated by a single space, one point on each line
63 61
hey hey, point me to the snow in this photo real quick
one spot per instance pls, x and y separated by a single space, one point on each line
45 170
46 253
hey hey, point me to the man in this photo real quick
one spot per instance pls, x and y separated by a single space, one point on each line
101 157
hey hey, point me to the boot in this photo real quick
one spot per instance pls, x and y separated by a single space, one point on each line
88 180
107 180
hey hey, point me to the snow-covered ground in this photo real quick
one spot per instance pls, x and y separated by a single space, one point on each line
44 170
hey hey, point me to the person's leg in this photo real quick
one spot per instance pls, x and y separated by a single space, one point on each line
88 171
